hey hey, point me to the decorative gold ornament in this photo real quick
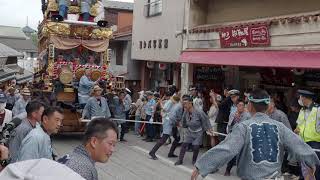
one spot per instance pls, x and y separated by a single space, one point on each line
81 31
95 75
74 10
102 33
79 73
94 10
66 75
50 68
52 5
56 28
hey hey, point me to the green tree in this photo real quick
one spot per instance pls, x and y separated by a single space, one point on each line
34 38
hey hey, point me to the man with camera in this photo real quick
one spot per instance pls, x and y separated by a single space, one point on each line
4 155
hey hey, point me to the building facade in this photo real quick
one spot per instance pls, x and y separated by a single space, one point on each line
157 41
275 46
120 17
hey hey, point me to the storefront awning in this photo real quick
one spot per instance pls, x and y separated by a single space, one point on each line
284 59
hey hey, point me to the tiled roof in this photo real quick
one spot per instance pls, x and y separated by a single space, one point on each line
22 45
6 51
6 74
12 32
21 74
118 5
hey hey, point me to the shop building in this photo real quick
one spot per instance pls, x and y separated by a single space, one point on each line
250 43
157 41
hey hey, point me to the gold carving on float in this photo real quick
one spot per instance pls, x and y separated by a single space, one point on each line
81 31
50 69
56 28
103 33
94 10
74 10
52 5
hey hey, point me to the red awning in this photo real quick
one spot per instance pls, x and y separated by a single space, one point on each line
284 59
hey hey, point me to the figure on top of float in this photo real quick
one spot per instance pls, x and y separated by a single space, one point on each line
90 61
85 8
63 7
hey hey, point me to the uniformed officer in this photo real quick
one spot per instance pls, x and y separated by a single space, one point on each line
308 122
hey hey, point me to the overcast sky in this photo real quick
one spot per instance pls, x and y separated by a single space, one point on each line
15 12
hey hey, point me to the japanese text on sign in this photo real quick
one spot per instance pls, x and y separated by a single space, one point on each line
247 36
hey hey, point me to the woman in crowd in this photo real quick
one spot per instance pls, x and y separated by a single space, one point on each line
213 113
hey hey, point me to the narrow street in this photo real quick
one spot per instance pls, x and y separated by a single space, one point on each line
131 162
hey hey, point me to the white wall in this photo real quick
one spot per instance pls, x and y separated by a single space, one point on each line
221 11
119 69
163 27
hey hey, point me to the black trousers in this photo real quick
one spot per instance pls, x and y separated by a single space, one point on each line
150 129
222 128
231 164
124 129
164 139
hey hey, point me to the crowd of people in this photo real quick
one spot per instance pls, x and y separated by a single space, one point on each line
252 131
191 122
31 140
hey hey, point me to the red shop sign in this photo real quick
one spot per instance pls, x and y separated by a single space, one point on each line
245 36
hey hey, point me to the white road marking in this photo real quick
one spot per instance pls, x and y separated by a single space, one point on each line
167 161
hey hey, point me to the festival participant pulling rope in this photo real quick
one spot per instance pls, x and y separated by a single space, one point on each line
160 123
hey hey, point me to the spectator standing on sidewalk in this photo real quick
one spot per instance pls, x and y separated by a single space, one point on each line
19 108
120 113
138 108
149 109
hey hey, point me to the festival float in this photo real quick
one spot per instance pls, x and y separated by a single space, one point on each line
65 44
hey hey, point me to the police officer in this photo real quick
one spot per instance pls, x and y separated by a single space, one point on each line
308 122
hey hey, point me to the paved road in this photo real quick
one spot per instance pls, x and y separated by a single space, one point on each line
130 161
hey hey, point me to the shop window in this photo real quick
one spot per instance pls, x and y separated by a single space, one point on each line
119 54
153 8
